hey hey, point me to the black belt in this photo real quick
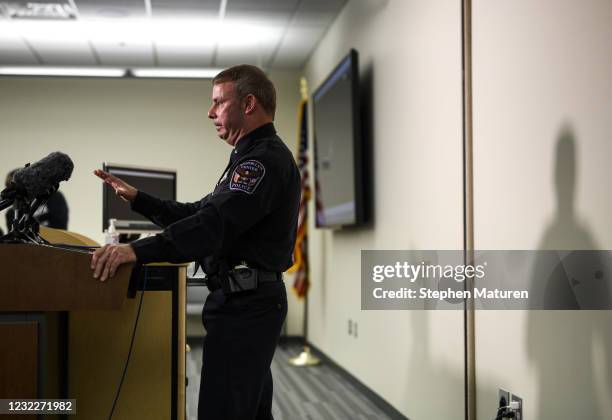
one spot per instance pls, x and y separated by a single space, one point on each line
268 276
213 282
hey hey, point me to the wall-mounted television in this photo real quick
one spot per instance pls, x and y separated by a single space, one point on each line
337 141
159 183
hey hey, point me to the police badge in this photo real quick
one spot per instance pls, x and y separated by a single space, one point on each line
247 176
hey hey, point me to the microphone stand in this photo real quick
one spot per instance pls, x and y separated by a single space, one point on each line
6 203
25 230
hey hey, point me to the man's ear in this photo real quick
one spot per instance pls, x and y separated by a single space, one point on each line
250 101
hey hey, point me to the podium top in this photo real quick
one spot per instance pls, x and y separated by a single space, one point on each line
44 278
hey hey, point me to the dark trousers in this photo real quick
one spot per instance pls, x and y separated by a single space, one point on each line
242 332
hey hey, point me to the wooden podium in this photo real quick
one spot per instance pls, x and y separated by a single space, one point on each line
42 278
65 334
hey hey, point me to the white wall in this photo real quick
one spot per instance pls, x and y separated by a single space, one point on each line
542 104
541 73
410 59
140 122
160 123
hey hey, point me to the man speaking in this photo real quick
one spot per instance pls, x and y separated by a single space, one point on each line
243 234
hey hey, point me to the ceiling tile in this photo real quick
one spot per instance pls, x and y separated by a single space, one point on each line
124 53
231 56
261 6
75 52
261 13
49 37
297 45
14 51
254 41
111 8
186 56
185 33
318 12
185 8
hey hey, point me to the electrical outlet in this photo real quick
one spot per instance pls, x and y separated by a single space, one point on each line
503 400
519 411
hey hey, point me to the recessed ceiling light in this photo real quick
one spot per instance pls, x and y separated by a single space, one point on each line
39 10
62 71
176 73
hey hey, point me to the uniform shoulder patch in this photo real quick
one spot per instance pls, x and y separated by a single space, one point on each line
247 176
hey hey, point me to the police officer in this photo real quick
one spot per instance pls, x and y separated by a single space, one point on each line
243 232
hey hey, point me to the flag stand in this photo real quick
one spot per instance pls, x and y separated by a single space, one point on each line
305 358
301 267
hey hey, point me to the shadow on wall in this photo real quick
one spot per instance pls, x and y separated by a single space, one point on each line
439 382
562 344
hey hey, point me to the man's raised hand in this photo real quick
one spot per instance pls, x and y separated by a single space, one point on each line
123 190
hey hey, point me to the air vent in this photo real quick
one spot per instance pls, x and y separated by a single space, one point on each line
38 10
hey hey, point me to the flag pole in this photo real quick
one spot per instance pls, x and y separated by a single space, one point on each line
305 358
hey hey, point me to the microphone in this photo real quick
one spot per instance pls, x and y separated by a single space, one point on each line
42 178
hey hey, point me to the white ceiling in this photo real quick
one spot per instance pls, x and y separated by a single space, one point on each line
274 34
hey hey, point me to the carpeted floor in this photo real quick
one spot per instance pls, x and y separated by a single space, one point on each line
313 393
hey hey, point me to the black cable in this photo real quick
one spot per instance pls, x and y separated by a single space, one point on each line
127 361
505 412
69 246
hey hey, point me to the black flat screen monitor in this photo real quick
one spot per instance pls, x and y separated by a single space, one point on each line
337 137
156 182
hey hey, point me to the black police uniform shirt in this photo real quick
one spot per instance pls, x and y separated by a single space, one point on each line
251 216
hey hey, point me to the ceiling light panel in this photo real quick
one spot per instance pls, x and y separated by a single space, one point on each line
176 73
62 71
42 9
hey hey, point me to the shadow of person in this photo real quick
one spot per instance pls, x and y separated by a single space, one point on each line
436 383
560 343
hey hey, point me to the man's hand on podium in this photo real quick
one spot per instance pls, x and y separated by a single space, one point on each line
105 260
123 190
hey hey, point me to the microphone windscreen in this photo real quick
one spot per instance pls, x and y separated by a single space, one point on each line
37 178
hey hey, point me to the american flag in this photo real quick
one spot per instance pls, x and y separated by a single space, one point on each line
300 253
